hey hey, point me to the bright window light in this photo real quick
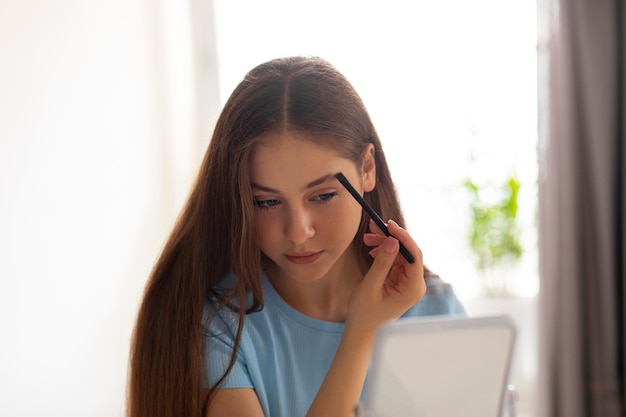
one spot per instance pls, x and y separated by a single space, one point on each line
451 87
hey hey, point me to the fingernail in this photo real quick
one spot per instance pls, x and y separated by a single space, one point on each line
391 221
390 245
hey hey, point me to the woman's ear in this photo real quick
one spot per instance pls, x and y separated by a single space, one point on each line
368 168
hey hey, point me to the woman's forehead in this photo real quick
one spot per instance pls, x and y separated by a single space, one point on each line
296 144
293 160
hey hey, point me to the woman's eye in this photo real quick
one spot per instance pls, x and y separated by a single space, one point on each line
325 197
265 204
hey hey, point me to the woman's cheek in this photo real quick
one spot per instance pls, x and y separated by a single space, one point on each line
265 227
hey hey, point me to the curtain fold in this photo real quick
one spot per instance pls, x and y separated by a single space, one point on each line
582 211
620 247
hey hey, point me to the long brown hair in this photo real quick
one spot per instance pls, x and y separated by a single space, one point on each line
214 235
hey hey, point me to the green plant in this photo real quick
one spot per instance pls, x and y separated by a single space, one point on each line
494 234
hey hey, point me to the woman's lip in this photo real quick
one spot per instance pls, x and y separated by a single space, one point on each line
303 258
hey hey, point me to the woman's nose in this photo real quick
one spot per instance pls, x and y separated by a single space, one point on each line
299 226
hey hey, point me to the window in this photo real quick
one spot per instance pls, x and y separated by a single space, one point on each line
452 89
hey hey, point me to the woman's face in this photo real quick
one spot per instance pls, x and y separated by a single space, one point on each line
305 220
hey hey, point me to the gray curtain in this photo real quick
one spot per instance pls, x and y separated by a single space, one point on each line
582 209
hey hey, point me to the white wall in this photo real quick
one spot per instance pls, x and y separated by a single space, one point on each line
97 147
93 168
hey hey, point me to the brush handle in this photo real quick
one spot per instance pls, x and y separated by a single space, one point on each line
379 222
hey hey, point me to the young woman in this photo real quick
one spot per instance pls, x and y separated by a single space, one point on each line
267 295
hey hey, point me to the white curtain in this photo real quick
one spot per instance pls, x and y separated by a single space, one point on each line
99 140
583 210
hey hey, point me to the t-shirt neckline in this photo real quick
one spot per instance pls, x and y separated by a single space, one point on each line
273 299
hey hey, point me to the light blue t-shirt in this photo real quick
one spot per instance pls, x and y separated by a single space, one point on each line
285 355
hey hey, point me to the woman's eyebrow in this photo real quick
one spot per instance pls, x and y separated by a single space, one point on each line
312 184
263 188
320 180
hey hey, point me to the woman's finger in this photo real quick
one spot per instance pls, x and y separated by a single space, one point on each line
383 261
373 239
375 229
378 236
407 241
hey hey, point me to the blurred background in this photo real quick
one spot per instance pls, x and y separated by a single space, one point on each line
107 107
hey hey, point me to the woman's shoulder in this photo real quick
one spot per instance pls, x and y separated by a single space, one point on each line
217 319
440 299
220 314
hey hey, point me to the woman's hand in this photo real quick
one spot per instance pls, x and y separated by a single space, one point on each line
389 289
392 285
